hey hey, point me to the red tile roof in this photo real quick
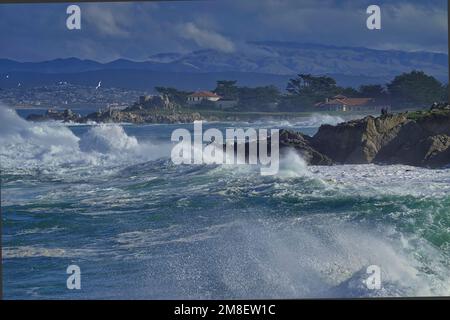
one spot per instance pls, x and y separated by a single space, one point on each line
343 100
204 94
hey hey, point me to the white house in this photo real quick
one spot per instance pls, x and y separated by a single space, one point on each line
343 103
198 97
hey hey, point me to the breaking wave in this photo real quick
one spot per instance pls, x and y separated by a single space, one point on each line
212 231
51 145
313 121
316 120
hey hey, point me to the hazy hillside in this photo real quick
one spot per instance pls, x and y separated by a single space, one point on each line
289 58
266 61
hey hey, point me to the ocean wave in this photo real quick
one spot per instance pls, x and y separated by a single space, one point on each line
313 121
309 231
52 147
35 251
315 256
323 257
372 179
316 120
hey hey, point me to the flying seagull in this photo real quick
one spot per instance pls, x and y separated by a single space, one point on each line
98 85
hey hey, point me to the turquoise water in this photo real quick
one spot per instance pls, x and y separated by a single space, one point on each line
108 199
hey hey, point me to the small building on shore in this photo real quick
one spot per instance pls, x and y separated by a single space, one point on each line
226 103
345 104
199 96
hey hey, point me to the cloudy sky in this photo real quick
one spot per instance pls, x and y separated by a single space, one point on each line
136 31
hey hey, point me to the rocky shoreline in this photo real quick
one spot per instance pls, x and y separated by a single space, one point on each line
416 139
420 138
158 109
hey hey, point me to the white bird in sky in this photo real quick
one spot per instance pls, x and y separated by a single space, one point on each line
98 85
7 76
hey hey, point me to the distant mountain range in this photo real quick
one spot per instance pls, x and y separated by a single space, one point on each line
258 63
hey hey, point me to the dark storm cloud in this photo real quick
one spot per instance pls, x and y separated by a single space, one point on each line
138 30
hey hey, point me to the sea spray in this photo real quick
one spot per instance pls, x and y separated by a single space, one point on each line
242 147
53 146
292 165
282 236
106 139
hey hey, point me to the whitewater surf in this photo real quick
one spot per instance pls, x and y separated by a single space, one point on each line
108 198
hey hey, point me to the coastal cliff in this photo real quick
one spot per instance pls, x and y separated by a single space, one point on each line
417 139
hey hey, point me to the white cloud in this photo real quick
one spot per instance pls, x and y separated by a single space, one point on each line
107 20
206 38
138 30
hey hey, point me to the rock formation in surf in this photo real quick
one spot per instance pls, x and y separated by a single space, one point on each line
419 138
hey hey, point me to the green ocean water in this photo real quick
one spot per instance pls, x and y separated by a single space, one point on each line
109 199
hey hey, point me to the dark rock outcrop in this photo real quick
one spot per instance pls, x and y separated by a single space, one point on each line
418 139
67 116
302 144
153 109
152 102
142 116
429 151
357 141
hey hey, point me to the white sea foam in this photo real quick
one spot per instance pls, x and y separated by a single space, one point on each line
35 251
324 256
371 179
311 256
316 120
300 251
38 231
293 165
106 139
51 146
313 121
171 235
